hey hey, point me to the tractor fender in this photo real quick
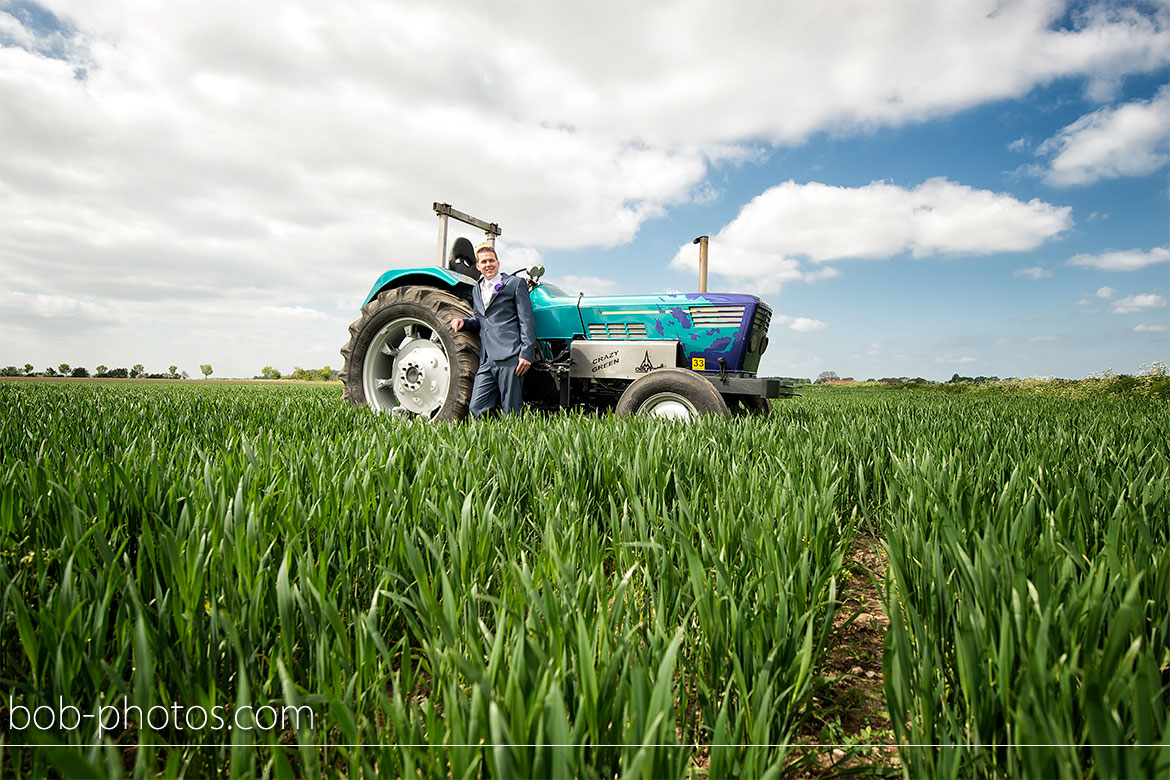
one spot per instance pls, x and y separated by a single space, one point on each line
434 276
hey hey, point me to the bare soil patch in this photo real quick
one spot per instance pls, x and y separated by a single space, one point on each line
850 723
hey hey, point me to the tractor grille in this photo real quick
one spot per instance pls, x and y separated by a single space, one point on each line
717 316
762 319
617 330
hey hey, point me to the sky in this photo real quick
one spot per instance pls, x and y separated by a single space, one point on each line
916 188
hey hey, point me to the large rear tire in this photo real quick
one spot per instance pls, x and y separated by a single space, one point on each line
673 393
403 357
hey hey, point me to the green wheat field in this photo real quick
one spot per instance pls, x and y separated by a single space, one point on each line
574 595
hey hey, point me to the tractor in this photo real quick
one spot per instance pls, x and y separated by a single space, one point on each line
675 355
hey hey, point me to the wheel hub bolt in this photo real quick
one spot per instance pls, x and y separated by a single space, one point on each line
411 376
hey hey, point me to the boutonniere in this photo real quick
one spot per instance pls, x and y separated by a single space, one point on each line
499 286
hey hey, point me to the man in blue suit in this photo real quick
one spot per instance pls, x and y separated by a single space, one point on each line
507 335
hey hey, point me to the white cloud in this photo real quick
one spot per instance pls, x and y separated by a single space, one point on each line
874 351
948 359
1130 140
1132 260
1134 303
514 257
1044 337
304 314
1147 328
590 285
822 223
1034 273
799 324
681 73
1102 294
21 307
817 274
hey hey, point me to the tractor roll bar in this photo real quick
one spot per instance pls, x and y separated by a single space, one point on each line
444 210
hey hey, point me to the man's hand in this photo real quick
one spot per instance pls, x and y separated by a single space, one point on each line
522 366
457 323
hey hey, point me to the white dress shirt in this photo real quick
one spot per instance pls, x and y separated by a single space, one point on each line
487 288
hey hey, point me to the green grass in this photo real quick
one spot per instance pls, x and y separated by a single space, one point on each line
575 595
1029 594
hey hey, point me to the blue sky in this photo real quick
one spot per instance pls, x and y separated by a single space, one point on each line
916 188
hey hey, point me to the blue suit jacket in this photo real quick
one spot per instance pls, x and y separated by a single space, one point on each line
506 328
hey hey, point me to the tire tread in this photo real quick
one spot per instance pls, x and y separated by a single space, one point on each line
444 306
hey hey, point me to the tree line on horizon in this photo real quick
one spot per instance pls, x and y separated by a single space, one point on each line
138 371
323 374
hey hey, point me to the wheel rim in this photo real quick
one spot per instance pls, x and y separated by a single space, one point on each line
407 370
669 405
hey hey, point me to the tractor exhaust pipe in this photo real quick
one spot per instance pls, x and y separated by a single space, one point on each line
702 242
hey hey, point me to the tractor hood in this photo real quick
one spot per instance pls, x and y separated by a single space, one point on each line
709 326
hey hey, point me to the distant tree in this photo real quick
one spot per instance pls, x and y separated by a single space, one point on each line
827 376
325 373
9 371
100 370
206 369
28 369
118 373
185 375
79 372
50 371
137 371
268 372
173 371
63 369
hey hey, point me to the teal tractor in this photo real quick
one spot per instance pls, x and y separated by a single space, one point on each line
675 355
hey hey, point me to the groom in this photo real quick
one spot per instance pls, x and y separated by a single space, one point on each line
507 333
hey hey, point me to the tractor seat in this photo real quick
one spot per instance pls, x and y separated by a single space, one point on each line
461 260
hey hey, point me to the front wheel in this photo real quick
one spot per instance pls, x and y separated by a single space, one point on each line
674 393
403 357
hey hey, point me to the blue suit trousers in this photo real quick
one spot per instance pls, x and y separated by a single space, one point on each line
496 384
